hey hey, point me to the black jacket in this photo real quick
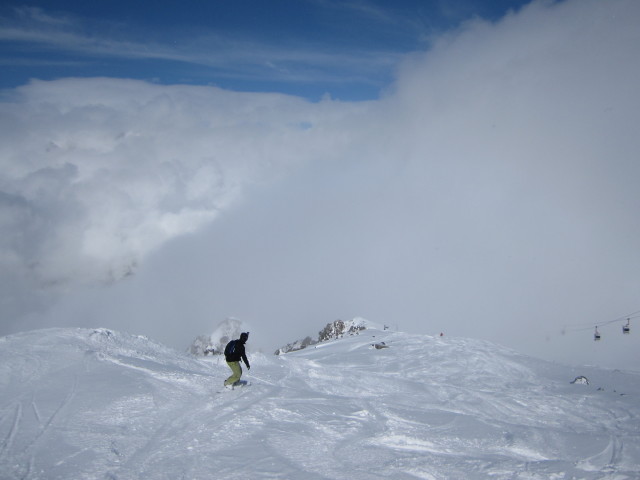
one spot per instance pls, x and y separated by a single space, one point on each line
238 354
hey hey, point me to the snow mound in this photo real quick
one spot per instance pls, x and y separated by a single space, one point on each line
97 404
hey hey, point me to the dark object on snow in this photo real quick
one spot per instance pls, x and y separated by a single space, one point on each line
581 380
380 345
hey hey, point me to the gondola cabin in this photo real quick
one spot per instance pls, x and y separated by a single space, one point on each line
627 328
596 336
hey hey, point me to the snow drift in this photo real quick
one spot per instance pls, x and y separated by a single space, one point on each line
98 404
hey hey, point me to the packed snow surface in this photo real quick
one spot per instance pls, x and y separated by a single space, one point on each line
97 404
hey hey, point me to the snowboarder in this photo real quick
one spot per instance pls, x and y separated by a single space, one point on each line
233 353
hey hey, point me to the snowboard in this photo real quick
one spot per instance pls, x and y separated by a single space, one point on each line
239 383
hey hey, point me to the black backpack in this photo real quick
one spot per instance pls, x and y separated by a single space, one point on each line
230 348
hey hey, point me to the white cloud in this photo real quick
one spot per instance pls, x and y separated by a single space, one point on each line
492 192
100 172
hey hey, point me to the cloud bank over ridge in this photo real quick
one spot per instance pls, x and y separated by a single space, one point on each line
498 176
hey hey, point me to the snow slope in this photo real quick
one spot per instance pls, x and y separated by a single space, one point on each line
97 404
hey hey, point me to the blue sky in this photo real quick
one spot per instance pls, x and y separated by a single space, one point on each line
348 49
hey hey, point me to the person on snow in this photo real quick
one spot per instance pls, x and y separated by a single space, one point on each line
233 353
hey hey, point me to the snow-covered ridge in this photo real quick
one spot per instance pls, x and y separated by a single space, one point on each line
340 328
332 331
34 356
231 328
97 404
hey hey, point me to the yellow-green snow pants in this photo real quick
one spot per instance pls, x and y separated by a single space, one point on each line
237 373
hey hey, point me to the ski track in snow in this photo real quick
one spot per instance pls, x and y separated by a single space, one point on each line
103 405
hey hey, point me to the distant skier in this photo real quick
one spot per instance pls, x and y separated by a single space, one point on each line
233 353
